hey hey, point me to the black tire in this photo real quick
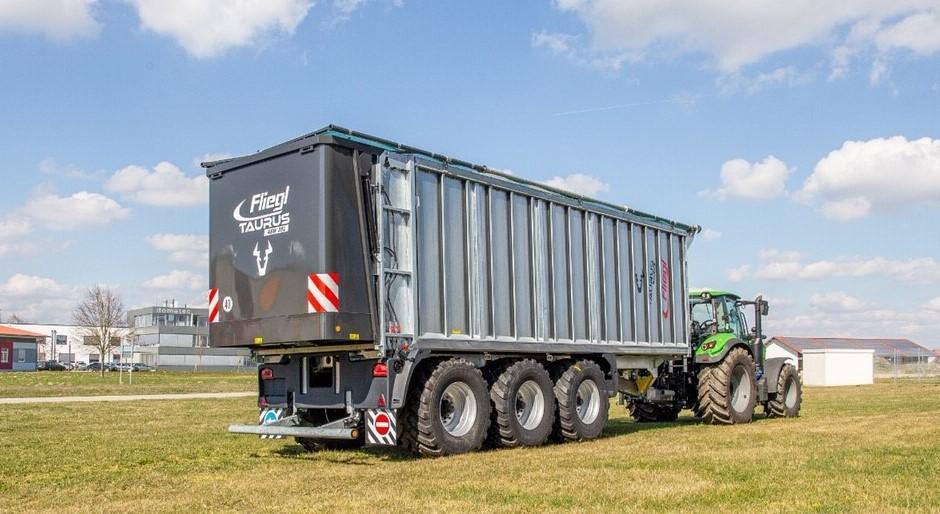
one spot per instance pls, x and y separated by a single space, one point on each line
646 412
717 403
789 395
423 426
524 404
592 418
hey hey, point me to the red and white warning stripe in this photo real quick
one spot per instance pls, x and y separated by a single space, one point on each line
214 305
323 292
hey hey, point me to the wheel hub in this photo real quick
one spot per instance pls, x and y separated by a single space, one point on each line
587 402
458 409
529 405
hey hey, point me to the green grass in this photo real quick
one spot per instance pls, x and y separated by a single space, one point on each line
80 383
873 448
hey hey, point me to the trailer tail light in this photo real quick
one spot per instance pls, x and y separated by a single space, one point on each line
380 370
267 374
394 328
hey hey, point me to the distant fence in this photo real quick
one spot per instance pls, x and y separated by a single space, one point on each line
907 365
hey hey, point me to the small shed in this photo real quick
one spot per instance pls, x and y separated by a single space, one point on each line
18 349
838 367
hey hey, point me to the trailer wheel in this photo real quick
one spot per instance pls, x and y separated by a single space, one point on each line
451 412
582 401
727 392
789 395
646 412
524 404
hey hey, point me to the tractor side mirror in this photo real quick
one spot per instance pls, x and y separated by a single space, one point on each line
764 308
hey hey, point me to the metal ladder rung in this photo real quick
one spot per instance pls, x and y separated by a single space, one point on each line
398 210
391 271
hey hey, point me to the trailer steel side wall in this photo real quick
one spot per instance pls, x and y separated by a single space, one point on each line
501 261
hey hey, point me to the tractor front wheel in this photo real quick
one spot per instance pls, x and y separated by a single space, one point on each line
727 391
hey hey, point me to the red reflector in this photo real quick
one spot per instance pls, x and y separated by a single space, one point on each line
380 369
381 402
262 402
267 373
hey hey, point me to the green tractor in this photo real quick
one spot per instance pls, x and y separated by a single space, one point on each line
726 375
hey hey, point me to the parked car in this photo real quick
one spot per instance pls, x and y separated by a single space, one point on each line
51 366
96 366
140 366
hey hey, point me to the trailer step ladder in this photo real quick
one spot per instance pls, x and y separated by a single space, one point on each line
394 184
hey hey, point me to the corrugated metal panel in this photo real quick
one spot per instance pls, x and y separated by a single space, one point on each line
504 263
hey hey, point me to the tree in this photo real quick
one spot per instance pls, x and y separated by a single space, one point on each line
103 320
15 319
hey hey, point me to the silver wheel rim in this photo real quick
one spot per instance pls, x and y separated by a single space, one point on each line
740 389
588 401
789 397
529 405
458 409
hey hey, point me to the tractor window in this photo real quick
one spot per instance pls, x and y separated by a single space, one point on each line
745 328
702 312
730 320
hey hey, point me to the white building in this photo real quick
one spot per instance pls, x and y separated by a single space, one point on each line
838 367
70 347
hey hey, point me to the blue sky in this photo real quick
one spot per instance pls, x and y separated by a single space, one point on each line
804 138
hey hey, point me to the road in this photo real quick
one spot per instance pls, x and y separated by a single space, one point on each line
125 397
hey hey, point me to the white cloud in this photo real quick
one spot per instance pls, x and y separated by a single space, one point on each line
837 301
13 230
883 173
918 32
38 299
777 265
737 34
751 181
579 183
933 305
79 210
206 28
177 280
51 167
787 75
710 234
56 19
165 185
738 274
556 43
188 249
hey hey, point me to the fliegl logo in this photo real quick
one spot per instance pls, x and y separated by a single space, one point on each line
265 211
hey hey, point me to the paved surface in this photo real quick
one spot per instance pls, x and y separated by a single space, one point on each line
125 397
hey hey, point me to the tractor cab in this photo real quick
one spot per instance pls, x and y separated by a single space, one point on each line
719 317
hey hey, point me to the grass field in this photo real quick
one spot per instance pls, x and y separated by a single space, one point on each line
873 448
67 383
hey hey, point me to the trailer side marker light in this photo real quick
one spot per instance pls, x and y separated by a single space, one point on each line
380 369
267 374
259 340
381 401
338 329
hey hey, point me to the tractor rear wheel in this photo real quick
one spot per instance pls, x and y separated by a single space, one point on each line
582 401
646 412
727 391
786 403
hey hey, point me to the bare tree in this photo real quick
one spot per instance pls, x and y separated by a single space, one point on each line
15 319
103 320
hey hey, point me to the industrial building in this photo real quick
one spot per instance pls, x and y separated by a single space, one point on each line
18 349
174 337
